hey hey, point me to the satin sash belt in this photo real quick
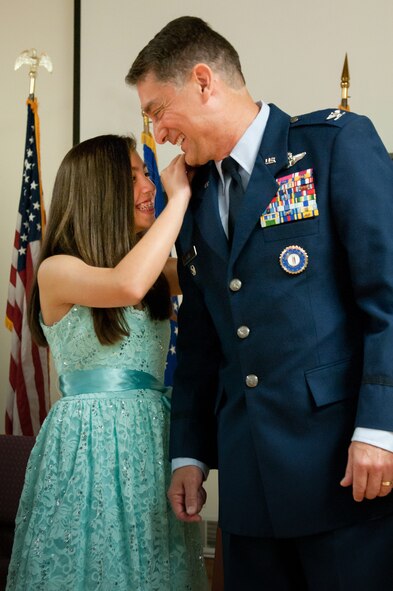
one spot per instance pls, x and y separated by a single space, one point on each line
110 382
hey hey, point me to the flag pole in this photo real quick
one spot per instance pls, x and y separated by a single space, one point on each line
345 86
146 123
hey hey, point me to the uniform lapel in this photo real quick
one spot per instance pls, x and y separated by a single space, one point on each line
204 204
262 186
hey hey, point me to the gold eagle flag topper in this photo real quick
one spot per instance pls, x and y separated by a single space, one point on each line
345 86
30 58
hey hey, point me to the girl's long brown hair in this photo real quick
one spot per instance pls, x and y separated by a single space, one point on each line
92 217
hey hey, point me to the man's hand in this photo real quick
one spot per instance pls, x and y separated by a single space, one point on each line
369 471
186 493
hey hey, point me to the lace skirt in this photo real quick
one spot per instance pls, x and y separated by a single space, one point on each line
93 513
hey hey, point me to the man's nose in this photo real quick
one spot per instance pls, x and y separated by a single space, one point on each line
160 133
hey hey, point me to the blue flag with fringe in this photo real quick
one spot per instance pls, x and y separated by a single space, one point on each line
150 158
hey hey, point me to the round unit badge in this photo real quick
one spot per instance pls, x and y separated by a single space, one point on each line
293 259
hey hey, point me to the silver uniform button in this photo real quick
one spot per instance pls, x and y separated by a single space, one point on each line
235 285
252 380
243 332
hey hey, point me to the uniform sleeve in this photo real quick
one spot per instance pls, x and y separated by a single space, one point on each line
362 202
193 423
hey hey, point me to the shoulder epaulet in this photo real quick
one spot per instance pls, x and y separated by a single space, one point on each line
336 117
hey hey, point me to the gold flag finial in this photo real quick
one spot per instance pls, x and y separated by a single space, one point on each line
146 123
30 58
345 86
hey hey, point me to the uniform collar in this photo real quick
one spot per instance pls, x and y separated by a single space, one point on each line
246 149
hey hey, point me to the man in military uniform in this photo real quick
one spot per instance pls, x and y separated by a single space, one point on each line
285 347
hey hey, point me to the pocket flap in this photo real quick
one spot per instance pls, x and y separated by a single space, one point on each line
334 382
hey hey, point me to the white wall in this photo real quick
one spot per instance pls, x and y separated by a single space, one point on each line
292 54
46 25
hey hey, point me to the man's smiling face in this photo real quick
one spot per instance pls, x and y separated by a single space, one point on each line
179 116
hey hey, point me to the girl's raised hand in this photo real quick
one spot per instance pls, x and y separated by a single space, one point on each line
176 179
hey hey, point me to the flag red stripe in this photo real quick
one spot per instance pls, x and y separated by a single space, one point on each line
22 277
10 312
29 271
16 240
13 276
17 321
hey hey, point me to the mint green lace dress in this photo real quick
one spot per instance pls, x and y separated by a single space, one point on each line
93 513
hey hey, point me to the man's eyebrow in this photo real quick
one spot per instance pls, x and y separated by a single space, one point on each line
148 107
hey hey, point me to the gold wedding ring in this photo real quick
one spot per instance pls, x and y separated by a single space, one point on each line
386 483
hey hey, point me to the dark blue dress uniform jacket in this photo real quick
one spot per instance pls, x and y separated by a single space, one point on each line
320 343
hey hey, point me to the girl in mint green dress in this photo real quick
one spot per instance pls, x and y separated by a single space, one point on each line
93 513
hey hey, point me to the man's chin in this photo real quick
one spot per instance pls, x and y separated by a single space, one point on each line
189 160
193 162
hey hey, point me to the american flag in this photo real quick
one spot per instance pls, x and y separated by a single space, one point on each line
28 396
150 158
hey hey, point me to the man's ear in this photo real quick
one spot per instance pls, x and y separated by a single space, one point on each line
203 76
